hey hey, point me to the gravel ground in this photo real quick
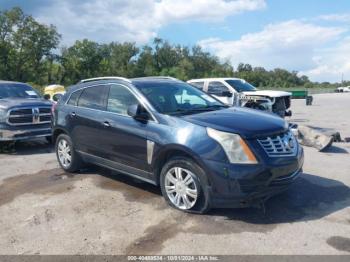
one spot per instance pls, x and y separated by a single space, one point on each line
46 211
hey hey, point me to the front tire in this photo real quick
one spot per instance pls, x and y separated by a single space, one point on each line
67 157
184 185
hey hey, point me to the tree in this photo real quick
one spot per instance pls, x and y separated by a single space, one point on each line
146 63
120 59
244 68
28 53
25 44
82 60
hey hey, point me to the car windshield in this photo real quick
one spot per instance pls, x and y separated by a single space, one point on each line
177 97
9 90
241 85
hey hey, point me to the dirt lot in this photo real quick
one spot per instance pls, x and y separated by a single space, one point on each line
46 211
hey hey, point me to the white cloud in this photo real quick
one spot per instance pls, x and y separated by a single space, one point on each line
332 63
315 50
293 45
335 17
178 10
133 20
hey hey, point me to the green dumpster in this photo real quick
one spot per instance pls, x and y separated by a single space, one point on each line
299 94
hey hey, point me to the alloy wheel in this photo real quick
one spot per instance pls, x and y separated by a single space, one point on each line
181 188
64 153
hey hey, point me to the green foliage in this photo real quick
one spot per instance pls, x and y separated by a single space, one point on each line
28 53
277 78
25 46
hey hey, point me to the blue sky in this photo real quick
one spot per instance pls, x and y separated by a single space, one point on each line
309 36
247 22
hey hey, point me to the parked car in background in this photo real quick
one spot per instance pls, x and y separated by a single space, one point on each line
229 89
342 89
24 114
201 152
54 92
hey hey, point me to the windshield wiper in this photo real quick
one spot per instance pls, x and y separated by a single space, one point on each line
208 108
177 111
197 109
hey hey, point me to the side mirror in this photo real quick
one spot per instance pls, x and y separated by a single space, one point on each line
47 97
227 94
57 97
138 112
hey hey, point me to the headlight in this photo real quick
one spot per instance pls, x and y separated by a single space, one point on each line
236 149
3 116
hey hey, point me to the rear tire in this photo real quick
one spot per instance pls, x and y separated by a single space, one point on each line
67 157
184 185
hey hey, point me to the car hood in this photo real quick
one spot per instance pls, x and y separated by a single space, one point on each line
248 123
8 103
269 93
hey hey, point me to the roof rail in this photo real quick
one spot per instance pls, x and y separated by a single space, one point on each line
105 78
159 77
168 77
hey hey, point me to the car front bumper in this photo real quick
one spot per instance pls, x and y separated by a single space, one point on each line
233 185
13 133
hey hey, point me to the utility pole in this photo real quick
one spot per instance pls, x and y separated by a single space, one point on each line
342 78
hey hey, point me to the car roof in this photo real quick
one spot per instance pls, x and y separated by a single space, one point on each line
154 79
95 81
214 79
11 82
135 81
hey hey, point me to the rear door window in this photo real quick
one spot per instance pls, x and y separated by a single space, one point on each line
94 97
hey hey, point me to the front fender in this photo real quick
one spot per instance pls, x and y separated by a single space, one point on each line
163 154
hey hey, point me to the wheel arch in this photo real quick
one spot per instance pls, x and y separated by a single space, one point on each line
56 132
173 151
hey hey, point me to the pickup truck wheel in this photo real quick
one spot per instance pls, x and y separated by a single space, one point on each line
7 146
184 185
67 157
279 108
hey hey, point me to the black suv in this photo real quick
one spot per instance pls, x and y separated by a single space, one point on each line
23 113
161 130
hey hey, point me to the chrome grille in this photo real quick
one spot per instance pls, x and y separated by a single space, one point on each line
45 110
25 111
29 116
279 145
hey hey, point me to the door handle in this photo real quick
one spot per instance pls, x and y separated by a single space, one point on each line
73 114
106 124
